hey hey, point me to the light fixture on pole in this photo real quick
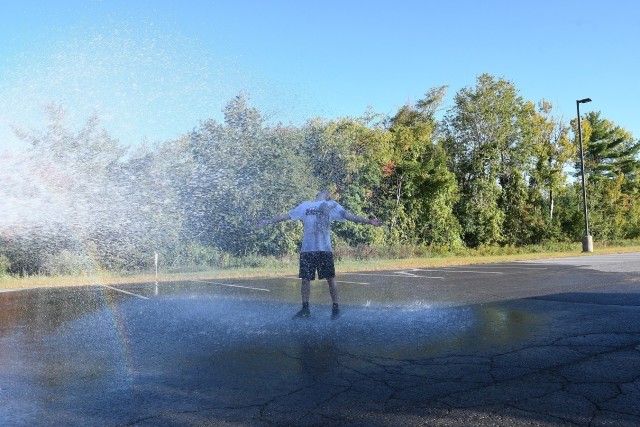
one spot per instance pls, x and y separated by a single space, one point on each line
587 240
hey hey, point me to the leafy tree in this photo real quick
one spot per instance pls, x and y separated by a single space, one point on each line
611 166
116 207
346 156
484 138
242 170
609 150
76 170
494 171
417 179
284 181
551 151
145 199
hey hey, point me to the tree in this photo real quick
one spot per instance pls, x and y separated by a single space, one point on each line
417 179
609 150
242 170
75 171
538 175
346 156
552 150
487 148
611 167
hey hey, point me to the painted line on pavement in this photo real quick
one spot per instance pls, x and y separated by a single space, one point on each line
403 276
125 292
515 268
231 286
461 271
337 281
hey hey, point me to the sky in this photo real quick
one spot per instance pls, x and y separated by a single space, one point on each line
153 70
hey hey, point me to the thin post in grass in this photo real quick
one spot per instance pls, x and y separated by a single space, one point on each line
156 264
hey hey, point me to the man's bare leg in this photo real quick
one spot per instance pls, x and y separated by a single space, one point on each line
333 290
305 290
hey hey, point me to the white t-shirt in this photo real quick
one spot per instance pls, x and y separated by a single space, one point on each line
316 218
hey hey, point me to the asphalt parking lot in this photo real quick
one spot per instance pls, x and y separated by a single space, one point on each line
544 343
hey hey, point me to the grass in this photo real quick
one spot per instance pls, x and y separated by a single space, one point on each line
290 267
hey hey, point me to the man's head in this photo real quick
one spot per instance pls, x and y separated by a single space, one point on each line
323 196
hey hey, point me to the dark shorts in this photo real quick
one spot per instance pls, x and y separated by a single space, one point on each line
320 261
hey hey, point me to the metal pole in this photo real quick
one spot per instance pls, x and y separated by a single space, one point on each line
584 188
587 242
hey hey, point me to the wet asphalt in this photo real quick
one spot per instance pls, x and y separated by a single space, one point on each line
544 343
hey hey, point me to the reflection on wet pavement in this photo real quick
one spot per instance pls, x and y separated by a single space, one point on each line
96 348
194 354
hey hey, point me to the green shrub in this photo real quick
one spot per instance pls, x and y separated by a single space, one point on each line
5 265
67 263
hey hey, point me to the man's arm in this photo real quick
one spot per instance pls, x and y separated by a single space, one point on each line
265 222
355 218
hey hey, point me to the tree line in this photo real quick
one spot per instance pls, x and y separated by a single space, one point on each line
493 169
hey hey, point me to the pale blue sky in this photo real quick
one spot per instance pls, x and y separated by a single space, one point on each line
153 69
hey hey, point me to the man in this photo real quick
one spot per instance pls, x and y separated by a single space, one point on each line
316 253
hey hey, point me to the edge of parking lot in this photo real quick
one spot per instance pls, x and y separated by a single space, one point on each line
11 283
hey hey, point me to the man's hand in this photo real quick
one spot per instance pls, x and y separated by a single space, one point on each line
361 220
265 222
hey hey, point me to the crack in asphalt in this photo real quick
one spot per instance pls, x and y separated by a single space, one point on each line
541 381
475 378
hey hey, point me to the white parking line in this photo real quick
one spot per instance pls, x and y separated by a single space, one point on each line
395 275
232 286
461 271
337 281
510 267
407 273
125 292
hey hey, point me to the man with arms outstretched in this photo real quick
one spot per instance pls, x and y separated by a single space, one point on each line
316 253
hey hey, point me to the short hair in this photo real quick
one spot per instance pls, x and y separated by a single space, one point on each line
326 193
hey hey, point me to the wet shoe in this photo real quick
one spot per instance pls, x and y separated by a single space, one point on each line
303 313
335 312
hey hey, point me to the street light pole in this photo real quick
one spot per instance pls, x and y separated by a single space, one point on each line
587 240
